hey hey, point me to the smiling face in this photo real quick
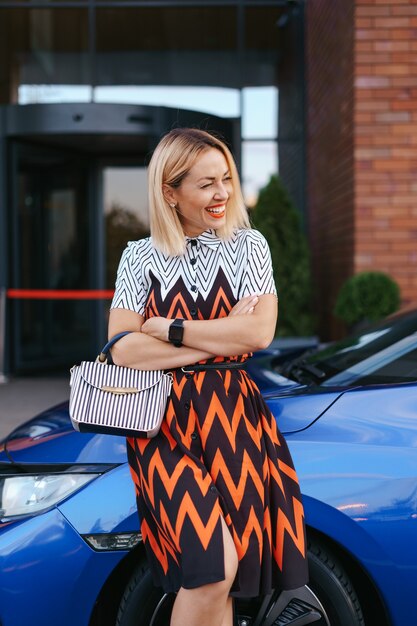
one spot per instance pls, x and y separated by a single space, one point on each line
201 199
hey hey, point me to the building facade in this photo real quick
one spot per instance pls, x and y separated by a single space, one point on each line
87 88
322 91
361 142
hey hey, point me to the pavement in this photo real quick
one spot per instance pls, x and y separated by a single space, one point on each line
22 398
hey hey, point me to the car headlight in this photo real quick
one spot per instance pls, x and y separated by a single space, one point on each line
26 495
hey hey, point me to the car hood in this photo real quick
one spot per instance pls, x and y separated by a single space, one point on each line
299 407
50 438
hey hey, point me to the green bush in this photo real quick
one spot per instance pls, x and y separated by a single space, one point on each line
276 217
367 296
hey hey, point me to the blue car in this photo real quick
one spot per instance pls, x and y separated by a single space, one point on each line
70 543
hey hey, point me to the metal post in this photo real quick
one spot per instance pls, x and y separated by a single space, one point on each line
3 378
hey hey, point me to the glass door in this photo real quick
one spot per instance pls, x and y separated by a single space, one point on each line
52 258
125 211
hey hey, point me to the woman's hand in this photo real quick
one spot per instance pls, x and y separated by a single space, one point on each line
245 306
157 327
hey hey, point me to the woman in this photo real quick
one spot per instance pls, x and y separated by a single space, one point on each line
216 490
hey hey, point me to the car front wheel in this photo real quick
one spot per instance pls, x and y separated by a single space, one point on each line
329 599
331 583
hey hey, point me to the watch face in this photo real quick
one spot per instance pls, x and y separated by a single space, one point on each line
176 332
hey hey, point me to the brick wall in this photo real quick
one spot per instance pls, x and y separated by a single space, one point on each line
386 140
329 141
361 61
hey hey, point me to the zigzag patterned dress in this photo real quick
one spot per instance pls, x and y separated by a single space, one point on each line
219 452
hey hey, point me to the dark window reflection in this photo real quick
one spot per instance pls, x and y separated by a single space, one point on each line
386 352
125 204
262 26
53 254
176 28
42 47
167 46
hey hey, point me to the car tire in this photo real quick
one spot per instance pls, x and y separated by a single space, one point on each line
141 599
332 585
143 604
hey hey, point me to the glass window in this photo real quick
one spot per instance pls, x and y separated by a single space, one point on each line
260 71
262 27
215 100
167 46
171 28
42 47
259 112
263 48
126 214
396 363
36 94
52 253
259 162
384 353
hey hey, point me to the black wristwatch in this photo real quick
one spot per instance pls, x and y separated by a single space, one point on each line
176 332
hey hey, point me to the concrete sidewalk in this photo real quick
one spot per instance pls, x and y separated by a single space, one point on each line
23 398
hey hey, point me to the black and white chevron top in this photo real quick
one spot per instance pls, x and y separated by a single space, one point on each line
237 267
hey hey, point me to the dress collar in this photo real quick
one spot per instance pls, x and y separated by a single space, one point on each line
207 238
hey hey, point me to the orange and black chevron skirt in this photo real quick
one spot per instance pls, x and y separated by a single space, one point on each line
219 453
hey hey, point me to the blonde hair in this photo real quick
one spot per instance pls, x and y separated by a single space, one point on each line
171 161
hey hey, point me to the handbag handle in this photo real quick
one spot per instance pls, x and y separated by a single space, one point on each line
102 357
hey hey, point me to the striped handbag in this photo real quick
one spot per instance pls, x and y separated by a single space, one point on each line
117 400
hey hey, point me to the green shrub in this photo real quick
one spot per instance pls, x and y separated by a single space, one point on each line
367 296
276 217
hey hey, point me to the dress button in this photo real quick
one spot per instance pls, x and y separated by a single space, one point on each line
193 261
194 288
194 435
193 312
193 243
213 489
186 406
188 375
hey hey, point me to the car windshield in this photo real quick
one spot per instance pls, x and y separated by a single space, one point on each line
383 353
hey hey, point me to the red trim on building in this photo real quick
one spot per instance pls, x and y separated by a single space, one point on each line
60 294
